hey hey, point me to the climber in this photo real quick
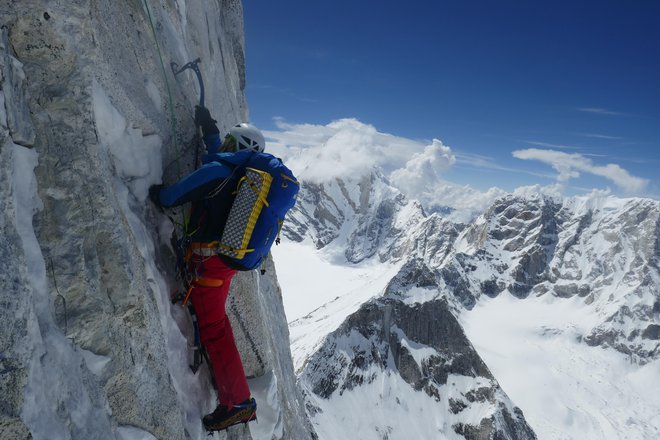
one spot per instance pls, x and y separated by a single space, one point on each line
211 189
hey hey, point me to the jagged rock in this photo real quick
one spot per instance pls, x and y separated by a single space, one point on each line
511 429
377 340
13 87
413 273
458 284
601 249
652 332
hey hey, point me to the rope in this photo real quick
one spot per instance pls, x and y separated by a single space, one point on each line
169 95
174 139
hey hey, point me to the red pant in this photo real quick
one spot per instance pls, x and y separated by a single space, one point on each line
215 330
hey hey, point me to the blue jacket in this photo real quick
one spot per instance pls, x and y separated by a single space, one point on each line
215 169
210 188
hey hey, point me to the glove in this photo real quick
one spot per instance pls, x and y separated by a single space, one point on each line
154 195
203 119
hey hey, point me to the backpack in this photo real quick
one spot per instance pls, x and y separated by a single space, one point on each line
265 193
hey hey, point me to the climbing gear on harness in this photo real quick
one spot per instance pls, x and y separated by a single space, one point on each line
198 350
201 281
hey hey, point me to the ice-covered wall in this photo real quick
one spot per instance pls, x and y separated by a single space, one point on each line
90 116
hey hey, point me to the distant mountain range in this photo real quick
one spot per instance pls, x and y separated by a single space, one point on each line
401 362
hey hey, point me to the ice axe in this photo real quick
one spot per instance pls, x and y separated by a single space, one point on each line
195 68
176 70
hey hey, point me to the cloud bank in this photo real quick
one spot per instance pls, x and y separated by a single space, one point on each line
570 165
348 148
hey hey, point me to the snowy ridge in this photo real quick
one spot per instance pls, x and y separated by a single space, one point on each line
404 362
601 250
583 272
355 215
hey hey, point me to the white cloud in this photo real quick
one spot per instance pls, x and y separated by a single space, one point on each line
545 144
467 201
600 136
424 169
342 148
600 111
570 165
348 147
422 179
554 191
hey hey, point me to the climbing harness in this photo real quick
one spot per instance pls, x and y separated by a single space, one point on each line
190 279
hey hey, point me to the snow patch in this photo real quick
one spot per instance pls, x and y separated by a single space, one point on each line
388 407
565 388
95 363
270 423
154 94
133 433
312 281
418 295
137 158
418 351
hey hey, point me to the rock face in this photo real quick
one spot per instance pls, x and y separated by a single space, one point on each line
362 210
91 115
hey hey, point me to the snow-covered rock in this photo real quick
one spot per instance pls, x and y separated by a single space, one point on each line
604 250
560 286
406 371
90 117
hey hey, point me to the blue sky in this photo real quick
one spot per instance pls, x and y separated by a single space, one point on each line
487 78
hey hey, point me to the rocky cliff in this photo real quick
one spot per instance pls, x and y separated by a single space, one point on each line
91 116
389 345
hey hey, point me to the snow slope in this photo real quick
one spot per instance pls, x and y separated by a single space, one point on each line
324 294
567 389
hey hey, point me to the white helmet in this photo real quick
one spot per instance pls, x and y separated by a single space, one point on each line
248 137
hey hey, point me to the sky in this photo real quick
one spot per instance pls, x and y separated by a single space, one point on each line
562 94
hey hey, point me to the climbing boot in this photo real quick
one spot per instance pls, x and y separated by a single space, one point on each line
224 417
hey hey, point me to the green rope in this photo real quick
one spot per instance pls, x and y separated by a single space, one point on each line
169 94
